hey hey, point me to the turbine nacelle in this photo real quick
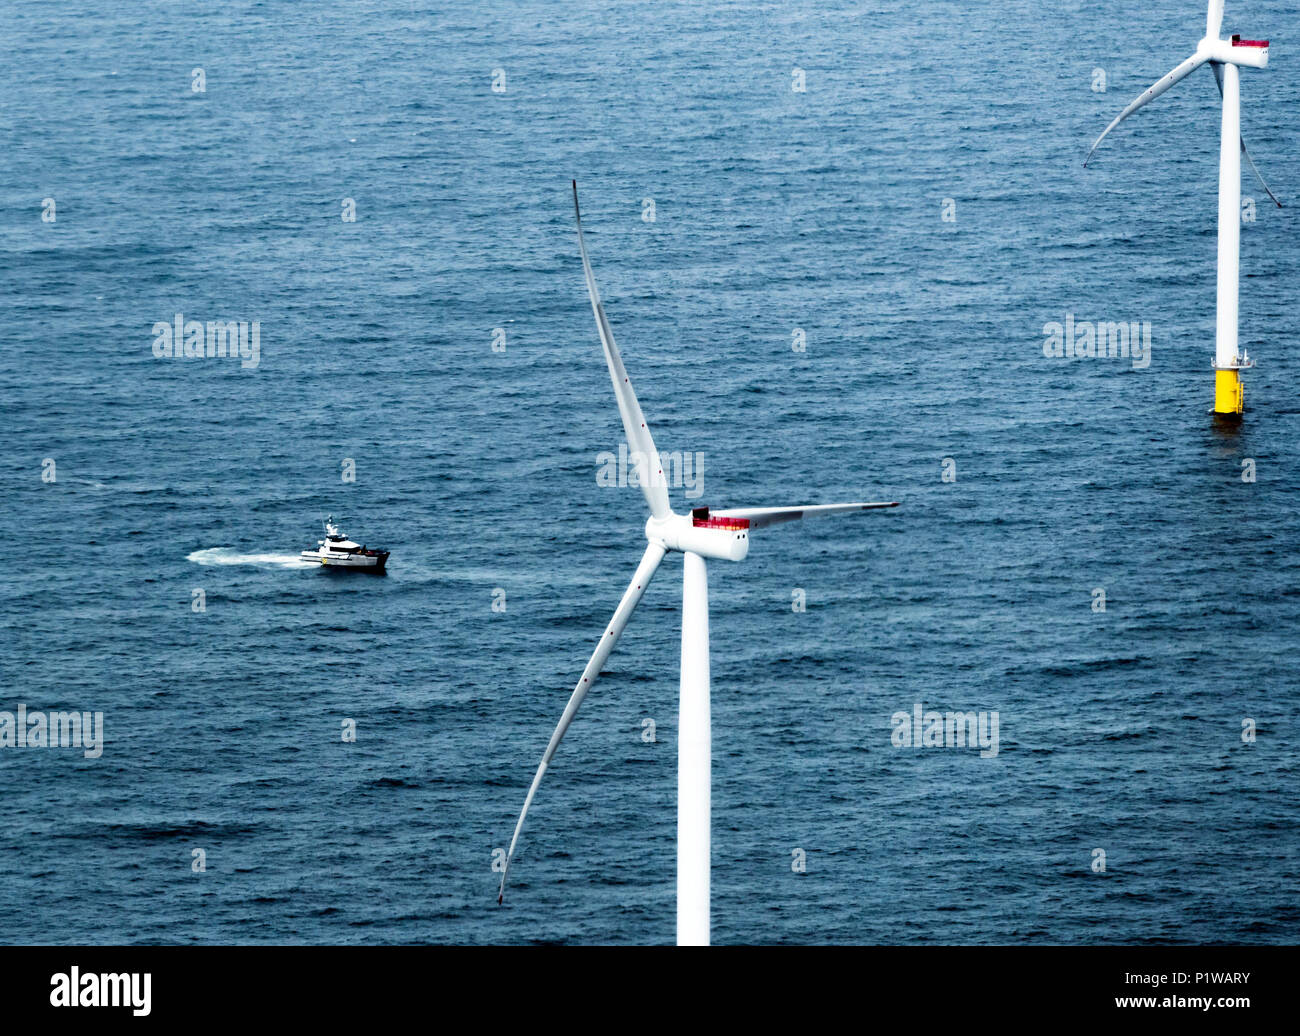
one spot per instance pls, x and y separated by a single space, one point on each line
710 536
1234 51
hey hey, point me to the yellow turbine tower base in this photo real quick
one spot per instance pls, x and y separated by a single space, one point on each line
1229 393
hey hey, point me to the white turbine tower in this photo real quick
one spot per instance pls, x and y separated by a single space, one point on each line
698 535
1223 57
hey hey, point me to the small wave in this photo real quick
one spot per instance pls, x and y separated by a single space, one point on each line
230 556
391 782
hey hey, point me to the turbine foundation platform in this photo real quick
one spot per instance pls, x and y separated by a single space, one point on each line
1229 393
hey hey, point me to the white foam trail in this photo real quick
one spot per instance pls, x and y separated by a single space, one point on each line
229 556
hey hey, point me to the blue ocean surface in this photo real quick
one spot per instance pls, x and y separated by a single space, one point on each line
914 218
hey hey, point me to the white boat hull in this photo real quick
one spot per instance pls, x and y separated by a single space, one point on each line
375 562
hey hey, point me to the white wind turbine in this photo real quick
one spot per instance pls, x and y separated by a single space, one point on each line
1223 57
698 535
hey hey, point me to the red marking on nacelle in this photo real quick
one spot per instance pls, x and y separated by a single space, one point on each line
718 522
1237 41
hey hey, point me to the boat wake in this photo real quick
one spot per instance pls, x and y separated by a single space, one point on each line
230 556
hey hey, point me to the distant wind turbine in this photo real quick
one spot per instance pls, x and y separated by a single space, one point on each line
1223 57
701 534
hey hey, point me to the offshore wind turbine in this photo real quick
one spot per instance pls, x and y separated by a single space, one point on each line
697 535
1224 57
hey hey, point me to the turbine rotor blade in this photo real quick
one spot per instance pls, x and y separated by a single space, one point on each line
1218 78
760 517
654 554
1213 19
635 428
1153 91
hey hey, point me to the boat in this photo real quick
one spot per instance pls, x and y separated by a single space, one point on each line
337 551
